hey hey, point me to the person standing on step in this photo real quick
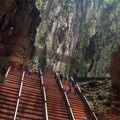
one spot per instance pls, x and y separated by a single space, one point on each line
84 117
72 84
57 76
30 70
61 77
65 83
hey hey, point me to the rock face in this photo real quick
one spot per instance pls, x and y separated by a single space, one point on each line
80 35
19 20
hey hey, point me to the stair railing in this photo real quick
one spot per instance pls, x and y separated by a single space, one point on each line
19 95
7 72
67 101
44 95
69 106
94 117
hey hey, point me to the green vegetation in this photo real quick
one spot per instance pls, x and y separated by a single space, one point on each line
42 38
34 61
42 61
39 3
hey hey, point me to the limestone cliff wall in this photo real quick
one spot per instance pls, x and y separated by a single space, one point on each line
80 35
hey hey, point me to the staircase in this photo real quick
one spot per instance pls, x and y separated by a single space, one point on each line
30 106
57 109
8 95
33 97
78 106
30 101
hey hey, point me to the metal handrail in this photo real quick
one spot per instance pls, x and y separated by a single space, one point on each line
41 72
61 84
46 111
78 88
66 97
44 92
87 102
44 95
7 72
18 100
73 118
69 106
95 116
85 99
42 82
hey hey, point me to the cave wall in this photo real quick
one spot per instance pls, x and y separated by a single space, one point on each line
19 20
80 35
